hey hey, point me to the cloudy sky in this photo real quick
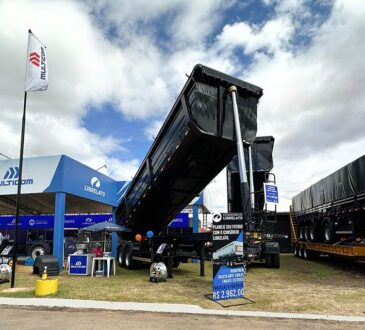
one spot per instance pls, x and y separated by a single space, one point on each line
116 67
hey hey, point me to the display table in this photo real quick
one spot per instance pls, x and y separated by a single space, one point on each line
108 260
80 264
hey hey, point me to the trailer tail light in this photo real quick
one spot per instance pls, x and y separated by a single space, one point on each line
138 237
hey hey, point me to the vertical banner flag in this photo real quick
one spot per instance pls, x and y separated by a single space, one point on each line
36 78
228 258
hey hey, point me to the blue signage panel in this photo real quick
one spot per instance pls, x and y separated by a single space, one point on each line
83 181
84 220
271 193
228 258
78 264
180 221
47 221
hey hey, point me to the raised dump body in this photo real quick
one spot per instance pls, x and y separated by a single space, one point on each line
333 209
194 144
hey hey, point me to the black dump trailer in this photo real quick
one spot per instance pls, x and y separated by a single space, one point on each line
262 163
260 242
195 143
331 213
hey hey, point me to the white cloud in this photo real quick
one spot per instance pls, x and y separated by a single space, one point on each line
134 55
274 35
313 101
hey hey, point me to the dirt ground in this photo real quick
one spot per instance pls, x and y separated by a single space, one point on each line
38 319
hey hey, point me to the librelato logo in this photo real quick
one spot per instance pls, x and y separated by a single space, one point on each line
11 178
94 188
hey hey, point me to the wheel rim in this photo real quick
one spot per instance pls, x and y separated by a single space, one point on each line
311 234
305 254
120 258
327 233
300 252
306 233
39 251
127 259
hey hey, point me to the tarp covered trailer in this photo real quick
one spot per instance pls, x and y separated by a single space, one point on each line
333 209
194 144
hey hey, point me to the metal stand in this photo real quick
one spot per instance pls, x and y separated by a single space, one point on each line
169 262
17 204
249 301
202 260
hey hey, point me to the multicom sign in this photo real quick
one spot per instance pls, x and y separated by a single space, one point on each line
11 178
59 174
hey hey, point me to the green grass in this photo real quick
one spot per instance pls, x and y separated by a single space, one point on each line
298 286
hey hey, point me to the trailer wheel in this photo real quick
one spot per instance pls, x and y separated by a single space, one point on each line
329 231
39 249
305 253
275 260
121 261
128 261
314 233
301 232
296 252
306 233
268 260
312 255
300 253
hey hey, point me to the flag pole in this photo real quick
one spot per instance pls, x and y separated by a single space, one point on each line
15 251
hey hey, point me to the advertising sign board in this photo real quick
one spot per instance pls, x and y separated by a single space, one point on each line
180 221
228 263
80 264
271 193
47 221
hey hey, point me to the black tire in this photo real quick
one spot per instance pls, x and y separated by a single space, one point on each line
301 233
295 251
312 255
128 259
268 260
275 260
305 253
39 249
329 232
306 233
314 233
300 253
121 261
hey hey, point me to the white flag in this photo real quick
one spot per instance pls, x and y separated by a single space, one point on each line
37 71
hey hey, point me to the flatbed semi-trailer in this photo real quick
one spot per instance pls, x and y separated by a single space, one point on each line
329 216
307 250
